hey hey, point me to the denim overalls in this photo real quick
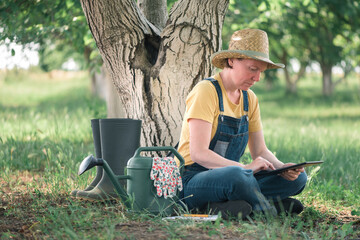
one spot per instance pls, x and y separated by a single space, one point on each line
202 185
232 134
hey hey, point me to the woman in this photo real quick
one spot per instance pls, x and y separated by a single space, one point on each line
223 117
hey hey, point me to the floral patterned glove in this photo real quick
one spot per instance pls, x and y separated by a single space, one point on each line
166 176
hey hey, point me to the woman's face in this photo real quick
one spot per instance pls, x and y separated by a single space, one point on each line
245 72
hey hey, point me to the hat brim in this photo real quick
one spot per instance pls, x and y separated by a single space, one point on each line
218 59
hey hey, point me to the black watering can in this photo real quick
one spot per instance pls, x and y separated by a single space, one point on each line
141 193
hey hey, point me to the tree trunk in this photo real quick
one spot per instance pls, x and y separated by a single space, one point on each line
153 71
327 79
290 84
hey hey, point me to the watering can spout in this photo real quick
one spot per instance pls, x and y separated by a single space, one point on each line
89 162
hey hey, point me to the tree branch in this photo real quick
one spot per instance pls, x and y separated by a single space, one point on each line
155 11
111 20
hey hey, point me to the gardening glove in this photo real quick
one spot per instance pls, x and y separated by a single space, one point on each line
166 176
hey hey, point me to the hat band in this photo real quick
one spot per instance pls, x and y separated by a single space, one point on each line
251 53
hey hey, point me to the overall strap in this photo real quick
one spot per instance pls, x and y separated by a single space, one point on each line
219 92
246 101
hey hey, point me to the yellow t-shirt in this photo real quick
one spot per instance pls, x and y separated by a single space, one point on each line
203 103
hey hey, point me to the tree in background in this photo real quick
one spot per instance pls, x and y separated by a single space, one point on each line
52 56
51 24
60 29
285 47
321 24
323 31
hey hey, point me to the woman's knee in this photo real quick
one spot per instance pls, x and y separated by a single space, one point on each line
300 182
302 179
239 178
237 174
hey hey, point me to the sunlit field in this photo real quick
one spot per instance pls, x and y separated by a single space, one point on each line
45 132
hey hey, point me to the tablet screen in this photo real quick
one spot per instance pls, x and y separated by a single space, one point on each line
280 170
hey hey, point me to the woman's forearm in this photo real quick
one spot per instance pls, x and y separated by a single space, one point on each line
209 159
268 155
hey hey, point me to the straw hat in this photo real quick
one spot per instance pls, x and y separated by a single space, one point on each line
247 43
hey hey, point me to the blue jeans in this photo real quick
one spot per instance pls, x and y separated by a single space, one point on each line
237 183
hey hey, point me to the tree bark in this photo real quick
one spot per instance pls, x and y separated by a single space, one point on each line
154 71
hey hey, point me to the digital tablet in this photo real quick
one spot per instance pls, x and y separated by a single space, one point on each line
280 170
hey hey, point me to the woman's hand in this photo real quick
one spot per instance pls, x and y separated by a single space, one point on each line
292 174
260 164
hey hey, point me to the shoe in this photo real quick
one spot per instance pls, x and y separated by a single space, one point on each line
289 206
231 209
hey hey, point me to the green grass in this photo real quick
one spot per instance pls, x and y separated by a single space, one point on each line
45 132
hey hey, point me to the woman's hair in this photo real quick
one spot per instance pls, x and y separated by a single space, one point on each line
226 62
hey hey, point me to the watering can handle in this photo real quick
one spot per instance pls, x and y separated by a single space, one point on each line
165 148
